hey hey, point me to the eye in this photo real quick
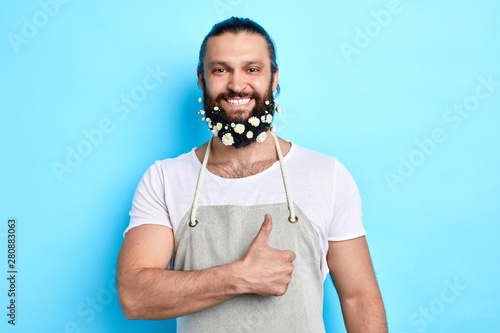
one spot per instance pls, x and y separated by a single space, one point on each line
218 70
253 70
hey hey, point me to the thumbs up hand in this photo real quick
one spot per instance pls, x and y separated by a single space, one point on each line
265 270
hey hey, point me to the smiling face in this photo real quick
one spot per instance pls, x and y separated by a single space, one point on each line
237 74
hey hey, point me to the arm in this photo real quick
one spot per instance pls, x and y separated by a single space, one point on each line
149 291
352 274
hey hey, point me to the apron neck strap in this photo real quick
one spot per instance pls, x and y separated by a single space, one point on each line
292 218
193 222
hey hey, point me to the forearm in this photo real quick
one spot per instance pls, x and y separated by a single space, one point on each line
154 293
364 313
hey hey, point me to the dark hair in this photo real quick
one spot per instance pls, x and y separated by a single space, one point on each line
235 25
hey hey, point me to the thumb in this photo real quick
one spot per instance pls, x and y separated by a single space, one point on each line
265 230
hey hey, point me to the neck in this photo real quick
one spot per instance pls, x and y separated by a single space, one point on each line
224 160
254 152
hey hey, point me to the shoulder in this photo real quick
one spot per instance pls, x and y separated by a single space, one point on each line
185 161
309 158
182 166
314 165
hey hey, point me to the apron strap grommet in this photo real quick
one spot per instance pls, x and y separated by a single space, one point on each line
293 221
193 224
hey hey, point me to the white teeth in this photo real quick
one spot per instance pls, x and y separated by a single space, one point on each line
239 101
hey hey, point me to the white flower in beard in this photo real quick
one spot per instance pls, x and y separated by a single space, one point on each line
227 139
239 128
261 137
254 121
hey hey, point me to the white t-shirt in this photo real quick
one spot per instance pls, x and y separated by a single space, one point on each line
320 185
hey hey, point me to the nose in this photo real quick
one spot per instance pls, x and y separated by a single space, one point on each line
236 82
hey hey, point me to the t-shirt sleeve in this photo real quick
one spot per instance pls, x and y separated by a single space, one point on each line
347 216
148 205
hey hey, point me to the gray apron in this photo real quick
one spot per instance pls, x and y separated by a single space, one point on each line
211 236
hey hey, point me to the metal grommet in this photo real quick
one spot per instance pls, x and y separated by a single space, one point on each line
294 221
192 225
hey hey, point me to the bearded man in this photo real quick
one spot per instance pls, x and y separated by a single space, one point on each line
239 234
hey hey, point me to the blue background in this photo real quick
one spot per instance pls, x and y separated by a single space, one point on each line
368 82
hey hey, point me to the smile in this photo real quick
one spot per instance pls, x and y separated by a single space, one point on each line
242 101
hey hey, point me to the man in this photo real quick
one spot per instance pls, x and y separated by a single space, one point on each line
201 215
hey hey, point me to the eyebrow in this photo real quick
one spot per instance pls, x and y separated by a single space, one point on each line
225 63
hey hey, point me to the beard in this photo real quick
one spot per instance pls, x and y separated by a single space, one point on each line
240 131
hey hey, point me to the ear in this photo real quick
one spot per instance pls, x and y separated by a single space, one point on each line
275 79
200 80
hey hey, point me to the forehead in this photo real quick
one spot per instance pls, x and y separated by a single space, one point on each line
236 48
